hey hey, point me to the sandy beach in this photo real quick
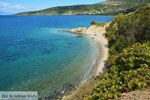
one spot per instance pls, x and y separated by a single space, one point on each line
97 34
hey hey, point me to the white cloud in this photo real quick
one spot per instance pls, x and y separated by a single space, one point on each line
4 5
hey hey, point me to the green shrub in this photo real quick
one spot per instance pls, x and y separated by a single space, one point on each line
93 23
128 29
97 24
131 71
129 55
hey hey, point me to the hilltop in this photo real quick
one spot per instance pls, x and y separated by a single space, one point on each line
108 7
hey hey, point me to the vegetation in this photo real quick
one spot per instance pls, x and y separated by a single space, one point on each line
110 7
126 30
97 24
129 58
129 43
126 74
138 1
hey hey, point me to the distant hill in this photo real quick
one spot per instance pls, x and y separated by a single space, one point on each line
110 7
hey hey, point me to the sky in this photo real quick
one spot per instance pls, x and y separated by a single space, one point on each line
15 6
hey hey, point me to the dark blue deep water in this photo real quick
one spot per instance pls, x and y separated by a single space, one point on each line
36 55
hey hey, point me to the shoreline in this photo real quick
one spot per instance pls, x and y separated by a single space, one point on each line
91 72
96 35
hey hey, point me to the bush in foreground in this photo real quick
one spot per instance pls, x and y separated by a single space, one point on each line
131 71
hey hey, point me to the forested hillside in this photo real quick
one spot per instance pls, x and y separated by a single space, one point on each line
110 7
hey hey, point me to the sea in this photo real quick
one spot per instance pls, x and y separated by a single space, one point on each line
37 55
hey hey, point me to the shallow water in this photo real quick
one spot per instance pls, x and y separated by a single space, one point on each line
36 55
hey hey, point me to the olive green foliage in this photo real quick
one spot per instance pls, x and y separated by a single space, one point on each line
93 23
128 29
129 58
131 71
97 24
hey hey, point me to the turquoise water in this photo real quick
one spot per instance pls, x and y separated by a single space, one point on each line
36 55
